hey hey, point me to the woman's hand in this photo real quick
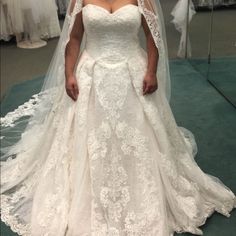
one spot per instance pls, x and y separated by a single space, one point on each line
72 87
150 83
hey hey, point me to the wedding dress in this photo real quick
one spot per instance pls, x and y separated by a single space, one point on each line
30 21
114 162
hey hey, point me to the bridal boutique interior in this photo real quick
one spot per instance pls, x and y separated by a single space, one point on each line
202 54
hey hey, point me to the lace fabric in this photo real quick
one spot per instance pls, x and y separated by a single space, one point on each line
114 162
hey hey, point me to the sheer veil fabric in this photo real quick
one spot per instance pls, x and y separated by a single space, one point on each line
36 142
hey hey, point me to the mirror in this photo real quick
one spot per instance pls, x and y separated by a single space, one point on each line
211 49
222 49
199 34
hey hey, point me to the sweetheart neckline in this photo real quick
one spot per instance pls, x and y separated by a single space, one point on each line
108 12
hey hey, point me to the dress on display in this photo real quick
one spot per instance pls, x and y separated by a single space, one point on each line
208 3
114 162
29 21
62 6
182 11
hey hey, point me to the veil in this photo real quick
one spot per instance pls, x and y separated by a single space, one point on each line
32 114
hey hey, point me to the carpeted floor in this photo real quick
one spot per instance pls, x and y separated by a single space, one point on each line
196 106
221 73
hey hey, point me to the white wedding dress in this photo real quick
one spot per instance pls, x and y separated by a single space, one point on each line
30 21
114 162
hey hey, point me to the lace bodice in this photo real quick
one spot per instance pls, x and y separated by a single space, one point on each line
111 33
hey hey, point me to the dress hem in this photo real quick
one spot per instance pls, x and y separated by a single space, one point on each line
190 229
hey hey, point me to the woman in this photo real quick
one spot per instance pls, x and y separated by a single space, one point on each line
104 156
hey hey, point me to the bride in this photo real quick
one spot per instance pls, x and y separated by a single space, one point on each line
97 151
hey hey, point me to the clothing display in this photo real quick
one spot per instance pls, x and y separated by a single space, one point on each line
30 21
208 3
114 162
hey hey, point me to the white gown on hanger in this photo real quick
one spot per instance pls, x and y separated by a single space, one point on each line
114 162
5 26
32 17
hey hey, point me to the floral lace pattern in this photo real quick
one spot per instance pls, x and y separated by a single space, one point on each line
152 21
111 88
113 196
114 158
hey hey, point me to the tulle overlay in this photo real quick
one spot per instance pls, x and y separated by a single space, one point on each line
114 162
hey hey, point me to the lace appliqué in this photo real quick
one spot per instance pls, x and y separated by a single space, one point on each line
85 83
9 201
114 189
26 109
149 219
152 21
111 85
97 141
115 195
53 206
110 196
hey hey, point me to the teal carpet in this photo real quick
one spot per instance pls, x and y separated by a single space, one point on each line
199 107
224 82
196 106
19 94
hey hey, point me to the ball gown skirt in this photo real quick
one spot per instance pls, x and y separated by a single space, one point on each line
114 162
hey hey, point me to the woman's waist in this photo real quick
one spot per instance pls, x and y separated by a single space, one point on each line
113 52
112 60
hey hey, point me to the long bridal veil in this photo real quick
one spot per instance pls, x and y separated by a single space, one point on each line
30 134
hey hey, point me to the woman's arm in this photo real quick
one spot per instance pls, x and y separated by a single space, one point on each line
150 83
71 56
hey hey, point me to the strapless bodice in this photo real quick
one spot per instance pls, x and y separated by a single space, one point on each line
112 34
